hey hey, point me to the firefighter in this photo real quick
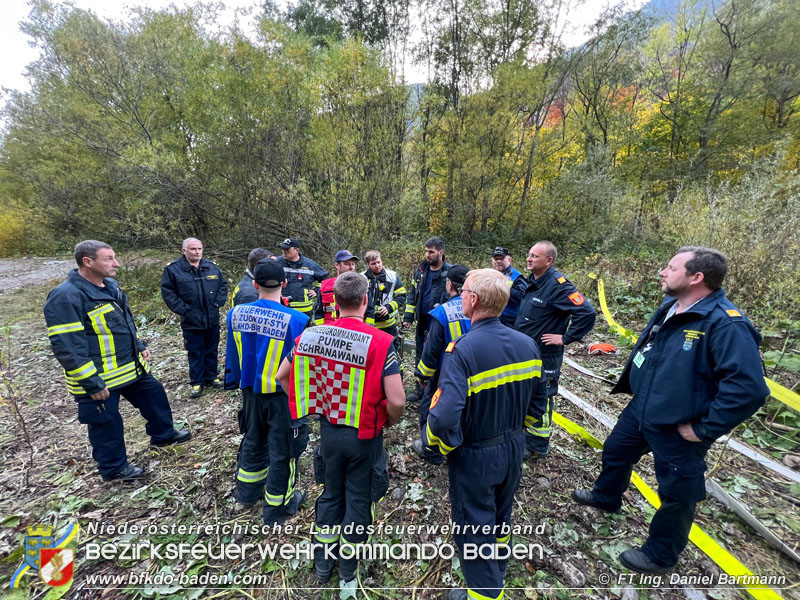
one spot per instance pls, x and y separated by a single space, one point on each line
303 277
476 418
448 323
387 294
554 314
348 374
245 291
695 375
501 261
427 292
325 312
93 336
196 289
260 335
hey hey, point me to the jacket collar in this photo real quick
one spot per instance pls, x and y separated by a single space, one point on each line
487 322
537 283
91 290
702 307
186 265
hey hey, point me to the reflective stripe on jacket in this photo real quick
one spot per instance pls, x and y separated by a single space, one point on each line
337 371
93 335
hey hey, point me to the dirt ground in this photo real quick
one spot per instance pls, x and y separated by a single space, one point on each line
52 480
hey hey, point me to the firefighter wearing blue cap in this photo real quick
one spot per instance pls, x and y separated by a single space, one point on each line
325 310
303 277
448 323
488 378
260 335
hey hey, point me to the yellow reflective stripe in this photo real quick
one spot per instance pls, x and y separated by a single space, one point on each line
435 441
290 485
273 500
271 363
252 476
83 372
237 339
425 370
400 290
354 393
104 336
410 308
319 321
502 375
302 305
323 538
504 540
529 421
65 328
300 368
386 324
455 329
473 595
370 321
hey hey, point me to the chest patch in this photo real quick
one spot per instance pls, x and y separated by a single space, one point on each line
690 336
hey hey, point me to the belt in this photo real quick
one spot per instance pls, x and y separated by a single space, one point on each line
508 436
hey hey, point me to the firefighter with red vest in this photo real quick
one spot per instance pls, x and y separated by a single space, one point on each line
325 310
347 373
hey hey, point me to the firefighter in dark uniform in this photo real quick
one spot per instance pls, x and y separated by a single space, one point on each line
695 374
260 335
387 295
476 419
325 311
501 261
554 314
244 291
448 323
348 374
427 292
94 338
303 278
196 289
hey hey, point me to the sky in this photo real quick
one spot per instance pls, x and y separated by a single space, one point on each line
17 52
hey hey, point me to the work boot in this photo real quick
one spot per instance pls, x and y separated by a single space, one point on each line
216 383
298 499
458 594
528 454
184 435
348 588
197 391
587 498
128 473
636 560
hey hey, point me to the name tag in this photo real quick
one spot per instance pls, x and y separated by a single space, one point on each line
638 360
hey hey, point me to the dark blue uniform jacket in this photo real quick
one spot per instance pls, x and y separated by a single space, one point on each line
487 380
702 368
196 294
547 306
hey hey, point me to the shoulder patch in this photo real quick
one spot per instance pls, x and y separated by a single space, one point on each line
562 279
733 313
576 298
435 399
450 347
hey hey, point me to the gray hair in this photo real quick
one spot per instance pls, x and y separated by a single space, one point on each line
349 289
187 241
88 249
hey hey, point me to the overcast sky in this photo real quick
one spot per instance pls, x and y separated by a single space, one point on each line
17 52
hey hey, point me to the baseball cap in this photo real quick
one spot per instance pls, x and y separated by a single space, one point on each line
269 273
457 274
290 243
343 255
500 251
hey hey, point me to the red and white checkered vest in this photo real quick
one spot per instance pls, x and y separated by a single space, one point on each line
337 371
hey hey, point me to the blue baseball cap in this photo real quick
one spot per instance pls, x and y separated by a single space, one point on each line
343 255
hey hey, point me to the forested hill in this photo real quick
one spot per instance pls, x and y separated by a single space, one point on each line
655 133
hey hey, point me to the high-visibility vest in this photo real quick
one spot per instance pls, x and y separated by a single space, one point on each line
337 371
328 301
